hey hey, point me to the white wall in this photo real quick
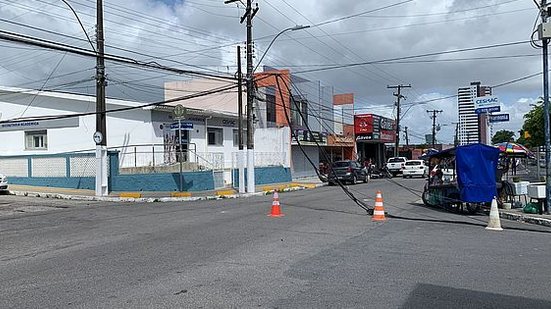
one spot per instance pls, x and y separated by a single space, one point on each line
273 140
125 128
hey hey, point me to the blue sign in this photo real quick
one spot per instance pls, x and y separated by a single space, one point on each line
499 118
184 126
490 109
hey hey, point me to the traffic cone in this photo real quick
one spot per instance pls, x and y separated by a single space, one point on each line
494 223
276 210
379 211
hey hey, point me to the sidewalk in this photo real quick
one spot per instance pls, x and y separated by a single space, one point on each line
157 196
516 214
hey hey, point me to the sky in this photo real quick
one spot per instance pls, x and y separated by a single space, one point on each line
203 34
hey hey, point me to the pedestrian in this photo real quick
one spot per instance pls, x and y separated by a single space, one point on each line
514 166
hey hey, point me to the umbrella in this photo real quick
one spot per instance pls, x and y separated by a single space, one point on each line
428 153
514 149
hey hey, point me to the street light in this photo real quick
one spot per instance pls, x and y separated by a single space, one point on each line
295 28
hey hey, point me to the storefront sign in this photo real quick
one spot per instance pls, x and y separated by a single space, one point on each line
39 124
374 128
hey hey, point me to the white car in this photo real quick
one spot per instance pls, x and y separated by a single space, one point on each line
3 183
415 168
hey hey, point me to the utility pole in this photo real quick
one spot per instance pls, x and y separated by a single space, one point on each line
407 138
240 153
398 96
249 15
433 117
100 137
456 136
545 42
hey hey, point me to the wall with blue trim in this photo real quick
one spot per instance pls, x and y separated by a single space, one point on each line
265 175
191 181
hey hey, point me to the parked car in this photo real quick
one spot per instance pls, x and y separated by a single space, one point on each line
395 165
3 183
415 168
347 171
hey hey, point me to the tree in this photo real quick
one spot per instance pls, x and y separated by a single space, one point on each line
502 136
532 132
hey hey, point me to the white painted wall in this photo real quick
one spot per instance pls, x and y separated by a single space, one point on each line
129 127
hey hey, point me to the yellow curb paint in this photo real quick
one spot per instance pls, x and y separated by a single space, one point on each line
180 194
130 195
225 192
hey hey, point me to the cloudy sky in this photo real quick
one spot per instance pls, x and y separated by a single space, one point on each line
202 35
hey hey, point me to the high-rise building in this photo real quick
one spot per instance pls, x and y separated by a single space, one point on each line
472 128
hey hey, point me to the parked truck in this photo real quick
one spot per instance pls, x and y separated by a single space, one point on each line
395 165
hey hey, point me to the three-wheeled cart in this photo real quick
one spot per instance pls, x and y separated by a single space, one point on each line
463 178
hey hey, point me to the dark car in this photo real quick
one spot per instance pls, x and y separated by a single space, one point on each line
347 171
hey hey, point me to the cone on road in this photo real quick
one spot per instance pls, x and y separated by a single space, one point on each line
494 223
379 211
276 209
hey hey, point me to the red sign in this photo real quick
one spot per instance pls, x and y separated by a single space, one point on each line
369 127
363 124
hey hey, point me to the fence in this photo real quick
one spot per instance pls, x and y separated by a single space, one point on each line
159 158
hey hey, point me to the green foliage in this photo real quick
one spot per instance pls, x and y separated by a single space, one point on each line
502 136
533 124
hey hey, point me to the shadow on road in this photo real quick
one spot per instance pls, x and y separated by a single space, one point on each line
434 296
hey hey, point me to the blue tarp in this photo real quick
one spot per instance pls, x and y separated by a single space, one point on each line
476 167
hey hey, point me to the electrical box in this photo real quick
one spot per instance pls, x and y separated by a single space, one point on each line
544 31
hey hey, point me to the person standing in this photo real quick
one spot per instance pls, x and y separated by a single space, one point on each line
514 164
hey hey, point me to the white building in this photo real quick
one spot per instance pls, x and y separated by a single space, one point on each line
469 127
146 137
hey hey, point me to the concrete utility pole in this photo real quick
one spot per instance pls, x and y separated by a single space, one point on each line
407 137
249 14
100 137
398 96
433 117
545 42
240 154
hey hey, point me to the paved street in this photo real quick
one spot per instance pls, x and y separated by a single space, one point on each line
227 253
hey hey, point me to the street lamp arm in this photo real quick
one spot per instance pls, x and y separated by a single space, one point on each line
295 28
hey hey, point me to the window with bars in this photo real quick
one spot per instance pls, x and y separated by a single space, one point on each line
36 140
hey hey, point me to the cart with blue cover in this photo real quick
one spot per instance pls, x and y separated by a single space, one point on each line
463 178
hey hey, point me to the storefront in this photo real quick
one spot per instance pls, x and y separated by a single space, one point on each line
372 132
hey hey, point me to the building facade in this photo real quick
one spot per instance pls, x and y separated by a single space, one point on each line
472 128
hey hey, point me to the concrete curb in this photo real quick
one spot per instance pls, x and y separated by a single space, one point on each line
155 199
524 218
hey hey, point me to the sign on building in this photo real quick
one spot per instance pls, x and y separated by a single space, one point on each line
370 127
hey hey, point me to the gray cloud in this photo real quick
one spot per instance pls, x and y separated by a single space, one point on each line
161 29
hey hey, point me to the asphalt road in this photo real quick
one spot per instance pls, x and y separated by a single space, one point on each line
325 253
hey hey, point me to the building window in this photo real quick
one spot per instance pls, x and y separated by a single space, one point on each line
215 136
236 137
296 117
270 108
36 140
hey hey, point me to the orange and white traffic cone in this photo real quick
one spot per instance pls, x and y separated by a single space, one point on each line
379 211
276 210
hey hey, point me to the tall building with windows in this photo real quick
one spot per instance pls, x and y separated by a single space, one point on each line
472 128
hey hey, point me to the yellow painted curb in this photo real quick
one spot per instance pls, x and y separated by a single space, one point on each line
225 192
274 188
309 185
130 195
180 194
